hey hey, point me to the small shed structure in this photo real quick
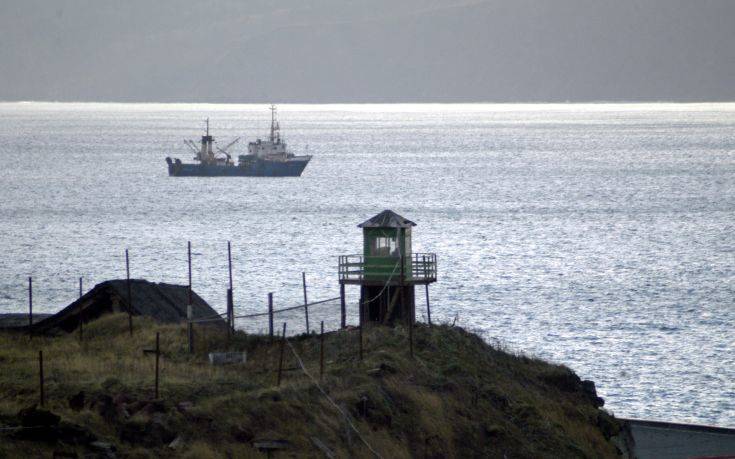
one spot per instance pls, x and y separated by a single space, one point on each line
387 270
165 303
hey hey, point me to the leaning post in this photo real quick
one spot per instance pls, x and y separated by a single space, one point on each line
306 302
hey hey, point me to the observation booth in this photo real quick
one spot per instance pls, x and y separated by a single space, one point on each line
387 271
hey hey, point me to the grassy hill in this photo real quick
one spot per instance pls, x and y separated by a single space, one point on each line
458 397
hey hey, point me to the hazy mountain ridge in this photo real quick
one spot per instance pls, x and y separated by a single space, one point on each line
330 51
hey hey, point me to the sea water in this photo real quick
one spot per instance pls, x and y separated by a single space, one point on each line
598 236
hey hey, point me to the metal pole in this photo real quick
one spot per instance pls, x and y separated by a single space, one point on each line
280 360
189 308
40 376
306 302
230 300
158 354
81 314
360 327
343 309
321 352
230 320
406 309
229 262
30 307
428 305
130 295
270 315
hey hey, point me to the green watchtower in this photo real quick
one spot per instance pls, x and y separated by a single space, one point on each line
387 271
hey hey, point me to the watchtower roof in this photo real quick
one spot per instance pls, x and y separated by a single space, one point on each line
387 219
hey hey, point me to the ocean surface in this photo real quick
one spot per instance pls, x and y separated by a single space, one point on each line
598 236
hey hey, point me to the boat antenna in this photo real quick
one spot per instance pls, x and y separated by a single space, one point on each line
207 127
273 122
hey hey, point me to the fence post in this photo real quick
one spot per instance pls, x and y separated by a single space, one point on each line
158 355
30 307
321 352
230 313
40 376
306 302
81 314
280 360
343 309
410 313
360 327
130 295
156 351
270 315
428 305
189 308
230 299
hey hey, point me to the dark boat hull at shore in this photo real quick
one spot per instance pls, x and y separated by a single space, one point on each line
293 167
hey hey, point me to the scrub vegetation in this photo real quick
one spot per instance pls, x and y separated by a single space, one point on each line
458 397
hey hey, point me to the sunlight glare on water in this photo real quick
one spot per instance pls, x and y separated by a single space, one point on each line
598 236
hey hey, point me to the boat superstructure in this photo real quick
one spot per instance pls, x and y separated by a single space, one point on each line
265 158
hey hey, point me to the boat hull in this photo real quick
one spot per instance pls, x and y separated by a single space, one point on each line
260 168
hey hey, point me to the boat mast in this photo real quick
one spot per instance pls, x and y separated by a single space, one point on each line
274 125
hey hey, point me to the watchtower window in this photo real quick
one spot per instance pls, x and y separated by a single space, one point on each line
384 247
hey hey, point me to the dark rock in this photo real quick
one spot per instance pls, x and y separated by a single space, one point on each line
76 402
64 453
608 425
588 387
33 417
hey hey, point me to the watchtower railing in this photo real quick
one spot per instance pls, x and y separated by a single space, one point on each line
419 268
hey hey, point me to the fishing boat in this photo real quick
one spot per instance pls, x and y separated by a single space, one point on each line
265 158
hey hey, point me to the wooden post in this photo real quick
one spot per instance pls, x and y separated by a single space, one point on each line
189 308
407 310
230 298
280 360
360 327
230 314
428 305
157 352
306 302
229 262
30 307
158 355
40 376
321 352
81 315
343 309
130 295
270 315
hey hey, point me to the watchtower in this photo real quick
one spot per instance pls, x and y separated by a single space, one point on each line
387 271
